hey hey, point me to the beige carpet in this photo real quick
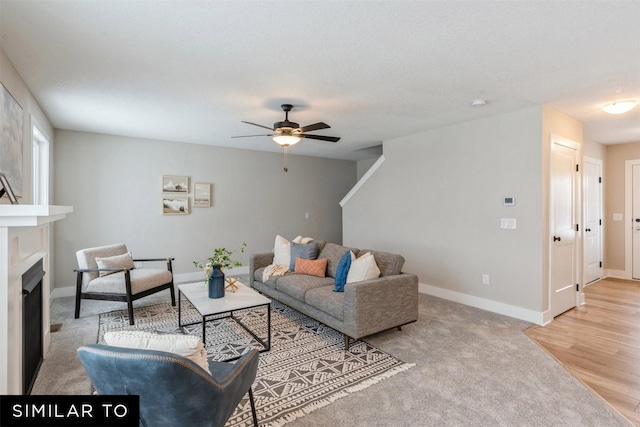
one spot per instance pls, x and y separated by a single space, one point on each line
472 368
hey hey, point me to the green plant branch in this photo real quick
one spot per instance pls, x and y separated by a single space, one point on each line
221 257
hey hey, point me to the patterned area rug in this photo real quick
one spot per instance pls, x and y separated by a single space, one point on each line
306 368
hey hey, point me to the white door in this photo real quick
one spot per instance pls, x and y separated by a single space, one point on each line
592 220
635 215
563 260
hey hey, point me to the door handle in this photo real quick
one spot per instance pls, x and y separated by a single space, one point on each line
556 239
637 219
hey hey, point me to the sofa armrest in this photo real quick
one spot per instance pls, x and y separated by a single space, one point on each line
257 261
376 305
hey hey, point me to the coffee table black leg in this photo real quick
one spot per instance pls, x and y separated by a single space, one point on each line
269 327
204 331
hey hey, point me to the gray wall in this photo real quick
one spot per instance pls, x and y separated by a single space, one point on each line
114 185
437 199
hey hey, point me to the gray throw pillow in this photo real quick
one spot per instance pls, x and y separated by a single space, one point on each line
306 251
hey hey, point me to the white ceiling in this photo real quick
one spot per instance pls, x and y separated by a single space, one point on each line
190 71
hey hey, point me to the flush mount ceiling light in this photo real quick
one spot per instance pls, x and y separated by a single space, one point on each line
619 107
478 102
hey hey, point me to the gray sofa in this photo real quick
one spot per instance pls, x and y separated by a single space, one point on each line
364 308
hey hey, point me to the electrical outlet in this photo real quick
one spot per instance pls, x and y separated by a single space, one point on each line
485 279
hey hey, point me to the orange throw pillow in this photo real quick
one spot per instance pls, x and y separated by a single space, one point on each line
311 267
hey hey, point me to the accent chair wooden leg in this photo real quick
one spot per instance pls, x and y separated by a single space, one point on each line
399 328
253 408
346 343
130 310
77 313
128 291
173 295
78 294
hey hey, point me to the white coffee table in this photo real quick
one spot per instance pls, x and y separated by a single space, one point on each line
243 298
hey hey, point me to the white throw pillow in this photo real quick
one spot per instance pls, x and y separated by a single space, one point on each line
188 346
362 268
116 261
282 249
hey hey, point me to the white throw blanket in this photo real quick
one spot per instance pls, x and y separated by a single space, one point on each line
274 270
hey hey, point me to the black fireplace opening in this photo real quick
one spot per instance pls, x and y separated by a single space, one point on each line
32 334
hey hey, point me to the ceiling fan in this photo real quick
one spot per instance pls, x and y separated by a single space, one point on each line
287 133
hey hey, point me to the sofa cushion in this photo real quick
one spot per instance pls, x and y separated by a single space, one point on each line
296 285
325 299
306 251
388 263
311 267
343 270
363 268
333 253
271 282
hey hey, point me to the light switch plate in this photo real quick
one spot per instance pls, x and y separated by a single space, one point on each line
617 217
508 223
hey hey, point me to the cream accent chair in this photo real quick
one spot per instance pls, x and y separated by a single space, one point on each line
118 279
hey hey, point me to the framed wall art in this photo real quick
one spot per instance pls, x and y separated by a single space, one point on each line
11 141
175 184
175 205
201 195
6 188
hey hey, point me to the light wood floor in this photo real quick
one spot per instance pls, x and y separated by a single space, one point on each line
599 343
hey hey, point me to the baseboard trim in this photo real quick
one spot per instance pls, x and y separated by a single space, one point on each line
178 279
539 318
616 274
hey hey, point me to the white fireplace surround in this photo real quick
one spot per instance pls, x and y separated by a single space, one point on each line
24 239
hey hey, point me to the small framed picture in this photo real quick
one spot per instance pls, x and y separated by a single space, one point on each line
201 195
6 188
175 205
175 184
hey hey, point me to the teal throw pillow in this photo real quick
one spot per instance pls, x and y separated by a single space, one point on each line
342 271
306 251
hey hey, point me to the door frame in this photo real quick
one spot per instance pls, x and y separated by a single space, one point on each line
578 217
592 160
628 214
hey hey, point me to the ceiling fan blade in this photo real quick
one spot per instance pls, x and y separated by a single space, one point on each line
315 126
255 124
320 137
248 136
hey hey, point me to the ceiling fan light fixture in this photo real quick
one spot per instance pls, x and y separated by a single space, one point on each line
619 107
286 140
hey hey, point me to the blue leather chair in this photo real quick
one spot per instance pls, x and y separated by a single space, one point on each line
173 390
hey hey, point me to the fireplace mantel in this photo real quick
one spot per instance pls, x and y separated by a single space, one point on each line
31 215
24 240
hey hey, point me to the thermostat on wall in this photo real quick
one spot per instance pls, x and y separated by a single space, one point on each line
509 201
